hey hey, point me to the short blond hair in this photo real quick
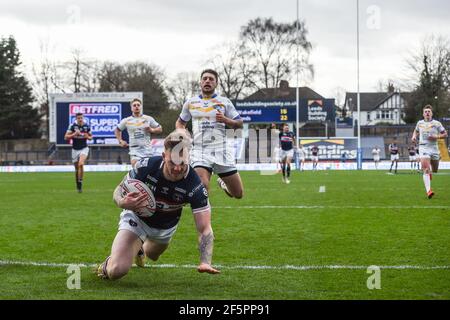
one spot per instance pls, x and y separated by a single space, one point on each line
176 137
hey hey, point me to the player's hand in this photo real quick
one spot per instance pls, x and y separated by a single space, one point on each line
204 267
414 139
133 201
123 144
220 117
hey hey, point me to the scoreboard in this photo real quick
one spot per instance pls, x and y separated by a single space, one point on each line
269 114
318 110
102 112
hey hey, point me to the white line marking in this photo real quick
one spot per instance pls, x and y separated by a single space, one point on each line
330 207
188 266
322 189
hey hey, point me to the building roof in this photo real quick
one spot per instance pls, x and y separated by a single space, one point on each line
370 100
285 93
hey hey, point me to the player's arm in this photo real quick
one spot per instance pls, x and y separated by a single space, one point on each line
414 136
231 117
205 240
184 117
69 135
202 217
118 134
434 137
155 130
89 135
236 123
153 126
131 201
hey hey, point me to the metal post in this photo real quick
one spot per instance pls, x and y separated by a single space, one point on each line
359 152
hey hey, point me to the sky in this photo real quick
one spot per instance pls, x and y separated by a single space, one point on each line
180 35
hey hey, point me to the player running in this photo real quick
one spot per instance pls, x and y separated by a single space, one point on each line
429 131
287 152
301 156
376 156
174 184
139 127
412 156
315 156
210 115
393 149
79 132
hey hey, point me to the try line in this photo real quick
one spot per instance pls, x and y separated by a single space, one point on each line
330 207
238 267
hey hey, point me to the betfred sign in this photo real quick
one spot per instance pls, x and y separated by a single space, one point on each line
103 118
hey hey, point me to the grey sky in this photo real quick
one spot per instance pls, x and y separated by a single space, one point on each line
179 36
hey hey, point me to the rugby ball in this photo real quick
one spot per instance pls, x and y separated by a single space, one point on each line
134 185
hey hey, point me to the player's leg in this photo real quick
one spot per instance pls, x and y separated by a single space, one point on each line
154 249
125 246
232 180
283 166
205 175
434 165
75 164
396 164
75 158
81 162
288 168
426 168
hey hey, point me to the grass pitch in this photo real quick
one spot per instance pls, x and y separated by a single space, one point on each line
279 242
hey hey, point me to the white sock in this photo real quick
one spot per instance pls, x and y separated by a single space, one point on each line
426 181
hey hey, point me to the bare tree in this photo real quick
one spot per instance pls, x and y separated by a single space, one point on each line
82 73
430 78
182 87
272 47
236 72
136 76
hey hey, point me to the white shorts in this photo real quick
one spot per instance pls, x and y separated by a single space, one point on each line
286 154
431 153
412 158
395 157
376 158
129 221
221 163
315 158
137 153
77 153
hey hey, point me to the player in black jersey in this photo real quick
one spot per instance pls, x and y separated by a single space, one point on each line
287 151
315 156
393 149
79 132
412 156
174 183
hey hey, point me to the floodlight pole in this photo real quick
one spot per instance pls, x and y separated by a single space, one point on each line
297 94
359 151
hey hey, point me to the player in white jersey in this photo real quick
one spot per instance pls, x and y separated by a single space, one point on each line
429 131
139 127
376 156
210 115
301 156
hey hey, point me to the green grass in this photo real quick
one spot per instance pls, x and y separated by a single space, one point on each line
363 218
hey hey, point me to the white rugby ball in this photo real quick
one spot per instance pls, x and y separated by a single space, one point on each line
134 185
